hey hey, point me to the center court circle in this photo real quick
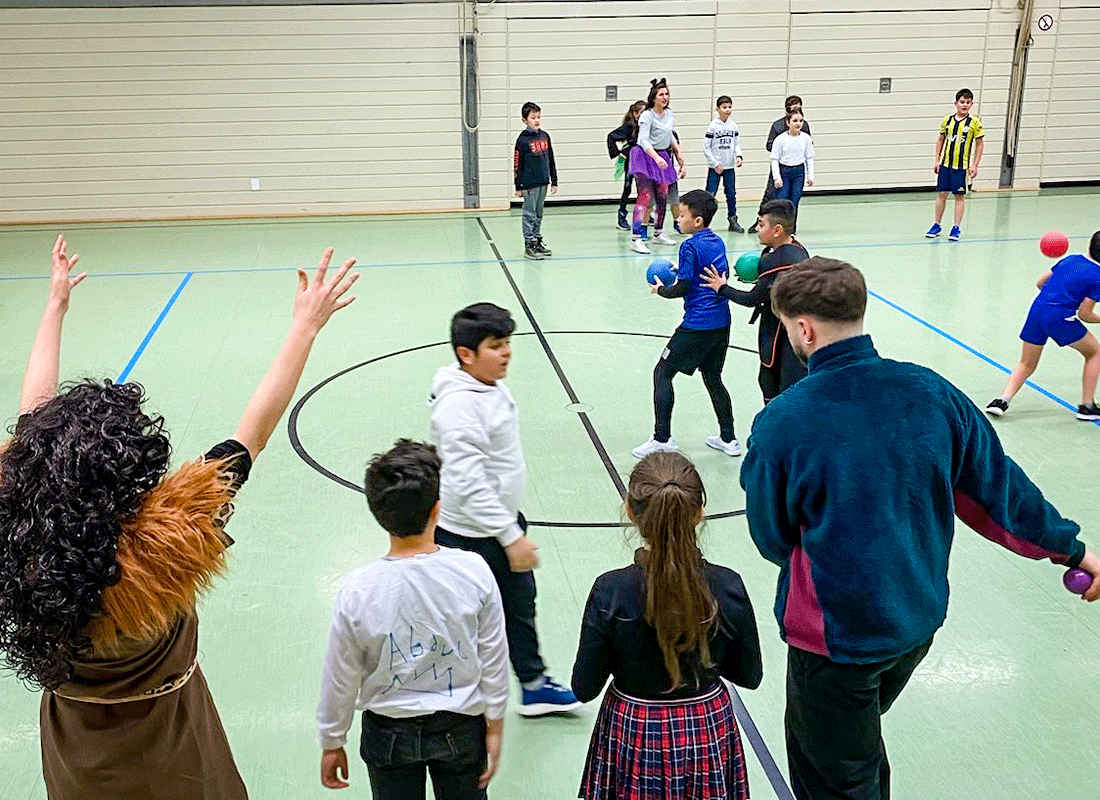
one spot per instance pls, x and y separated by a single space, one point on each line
305 455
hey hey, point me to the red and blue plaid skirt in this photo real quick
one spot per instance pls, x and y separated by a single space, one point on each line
665 750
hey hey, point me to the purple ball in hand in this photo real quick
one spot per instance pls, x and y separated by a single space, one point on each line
1077 580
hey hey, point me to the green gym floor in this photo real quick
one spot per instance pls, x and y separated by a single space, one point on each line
1004 706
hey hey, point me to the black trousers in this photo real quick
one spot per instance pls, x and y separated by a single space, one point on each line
769 190
628 182
400 753
517 590
834 724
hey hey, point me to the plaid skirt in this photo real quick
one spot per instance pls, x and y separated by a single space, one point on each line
665 750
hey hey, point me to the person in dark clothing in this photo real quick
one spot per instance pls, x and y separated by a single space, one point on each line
534 169
859 517
666 629
619 144
780 368
793 103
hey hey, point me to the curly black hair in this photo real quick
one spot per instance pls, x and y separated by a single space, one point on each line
75 471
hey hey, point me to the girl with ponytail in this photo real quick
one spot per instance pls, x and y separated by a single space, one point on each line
666 629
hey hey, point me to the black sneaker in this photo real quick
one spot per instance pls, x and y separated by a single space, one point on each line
1089 412
997 408
754 227
734 226
532 252
622 224
541 248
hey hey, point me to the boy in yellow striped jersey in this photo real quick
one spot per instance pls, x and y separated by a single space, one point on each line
958 153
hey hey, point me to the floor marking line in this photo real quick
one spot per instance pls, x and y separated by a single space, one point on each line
153 330
616 479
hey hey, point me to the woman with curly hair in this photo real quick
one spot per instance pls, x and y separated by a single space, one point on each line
102 557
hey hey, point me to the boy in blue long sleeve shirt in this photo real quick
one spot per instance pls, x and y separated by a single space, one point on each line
860 519
701 340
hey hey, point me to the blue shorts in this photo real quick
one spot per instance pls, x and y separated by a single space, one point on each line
1044 322
951 180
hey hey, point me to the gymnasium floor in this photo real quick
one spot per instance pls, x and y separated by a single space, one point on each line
1004 706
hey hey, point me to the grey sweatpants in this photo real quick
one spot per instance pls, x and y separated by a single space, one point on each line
533 201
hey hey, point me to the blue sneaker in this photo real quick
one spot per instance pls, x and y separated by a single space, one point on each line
955 234
550 698
934 231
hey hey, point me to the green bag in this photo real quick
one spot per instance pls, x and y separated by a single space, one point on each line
620 167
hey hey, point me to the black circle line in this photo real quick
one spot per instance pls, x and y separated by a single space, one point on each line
299 448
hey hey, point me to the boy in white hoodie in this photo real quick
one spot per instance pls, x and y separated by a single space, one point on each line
475 425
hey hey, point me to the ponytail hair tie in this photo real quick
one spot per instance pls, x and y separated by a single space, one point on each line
670 483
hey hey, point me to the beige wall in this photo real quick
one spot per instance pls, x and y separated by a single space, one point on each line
167 112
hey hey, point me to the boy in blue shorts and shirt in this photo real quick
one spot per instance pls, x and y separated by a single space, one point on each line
959 150
1068 293
701 340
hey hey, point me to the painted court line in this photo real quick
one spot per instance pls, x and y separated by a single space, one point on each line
152 331
490 260
1045 392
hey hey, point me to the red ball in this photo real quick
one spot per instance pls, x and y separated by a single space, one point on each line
1054 244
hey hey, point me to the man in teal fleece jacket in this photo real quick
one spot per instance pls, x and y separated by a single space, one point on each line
859 516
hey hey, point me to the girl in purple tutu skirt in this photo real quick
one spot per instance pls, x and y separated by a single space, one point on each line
651 166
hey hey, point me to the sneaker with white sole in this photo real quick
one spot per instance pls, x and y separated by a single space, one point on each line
663 238
653 446
954 235
997 408
934 231
1088 412
550 698
730 448
638 246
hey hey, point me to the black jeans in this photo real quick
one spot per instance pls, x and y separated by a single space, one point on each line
399 752
834 724
517 590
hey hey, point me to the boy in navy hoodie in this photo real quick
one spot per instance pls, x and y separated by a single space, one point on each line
701 341
534 169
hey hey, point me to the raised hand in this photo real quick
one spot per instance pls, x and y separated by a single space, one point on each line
317 300
61 278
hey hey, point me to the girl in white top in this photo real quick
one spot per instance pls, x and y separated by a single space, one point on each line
650 165
792 160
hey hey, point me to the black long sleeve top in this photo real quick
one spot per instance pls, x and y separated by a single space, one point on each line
617 641
773 262
627 135
533 163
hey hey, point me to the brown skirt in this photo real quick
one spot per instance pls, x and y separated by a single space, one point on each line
172 747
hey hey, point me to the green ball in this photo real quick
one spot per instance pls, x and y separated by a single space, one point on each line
747 267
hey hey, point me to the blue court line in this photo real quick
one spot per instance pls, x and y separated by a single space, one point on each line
490 260
152 331
1045 392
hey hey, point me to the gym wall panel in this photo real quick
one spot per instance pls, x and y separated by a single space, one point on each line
159 112
1074 85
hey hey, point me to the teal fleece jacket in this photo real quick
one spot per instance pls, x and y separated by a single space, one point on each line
853 477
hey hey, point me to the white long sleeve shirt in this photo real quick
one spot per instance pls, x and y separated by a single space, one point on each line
413 636
791 151
476 428
722 144
655 130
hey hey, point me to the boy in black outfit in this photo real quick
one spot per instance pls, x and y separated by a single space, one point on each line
779 366
793 103
534 169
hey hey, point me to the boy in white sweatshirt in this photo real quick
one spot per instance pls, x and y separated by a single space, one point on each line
722 148
418 644
475 425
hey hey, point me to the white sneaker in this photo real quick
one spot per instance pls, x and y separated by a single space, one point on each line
653 446
730 448
638 246
663 238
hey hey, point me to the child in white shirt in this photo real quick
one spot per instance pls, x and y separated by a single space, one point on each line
418 644
722 148
792 160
